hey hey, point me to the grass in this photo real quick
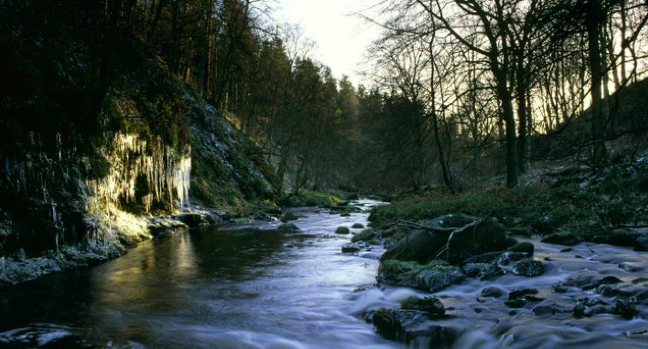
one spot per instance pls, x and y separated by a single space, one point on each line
311 198
611 201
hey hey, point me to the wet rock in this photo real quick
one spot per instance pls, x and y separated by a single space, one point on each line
342 230
484 258
420 245
579 310
165 226
629 267
492 291
523 292
357 226
430 305
345 214
350 248
482 271
407 325
625 309
641 243
386 324
432 276
639 280
608 280
550 309
288 228
508 257
559 289
515 303
364 235
475 239
193 220
450 221
528 267
566 239
289 216
522 247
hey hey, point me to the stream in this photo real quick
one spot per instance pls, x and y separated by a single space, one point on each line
232 286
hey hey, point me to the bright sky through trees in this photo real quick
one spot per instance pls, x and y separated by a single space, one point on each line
340 34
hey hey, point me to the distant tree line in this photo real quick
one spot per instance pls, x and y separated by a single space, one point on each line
462 88
495 74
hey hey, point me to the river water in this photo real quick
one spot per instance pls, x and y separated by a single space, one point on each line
233 287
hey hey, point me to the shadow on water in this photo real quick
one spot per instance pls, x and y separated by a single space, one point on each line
157 279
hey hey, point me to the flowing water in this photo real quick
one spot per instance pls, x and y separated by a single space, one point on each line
227 287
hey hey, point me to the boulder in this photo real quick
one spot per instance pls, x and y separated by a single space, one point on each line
386 324
430 305
342 230
450 221
350 248
288 228
475 239
420 245
364 235
433 276
528 267
191 219
492 291
357 226
406 325
522 247
289 216
567 239
482 271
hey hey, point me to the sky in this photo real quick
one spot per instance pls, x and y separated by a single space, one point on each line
341 37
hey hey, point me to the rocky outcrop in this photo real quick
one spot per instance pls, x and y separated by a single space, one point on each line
430 255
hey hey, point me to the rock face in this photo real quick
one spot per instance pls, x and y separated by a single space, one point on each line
108 193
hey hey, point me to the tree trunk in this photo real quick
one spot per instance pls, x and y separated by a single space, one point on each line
593 23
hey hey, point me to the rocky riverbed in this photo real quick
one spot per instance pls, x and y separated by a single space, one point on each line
475 285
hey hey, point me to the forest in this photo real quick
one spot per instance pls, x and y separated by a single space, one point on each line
185 163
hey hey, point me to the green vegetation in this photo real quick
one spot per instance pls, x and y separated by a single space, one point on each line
311 198
615 197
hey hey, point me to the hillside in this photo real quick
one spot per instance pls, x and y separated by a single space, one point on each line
97 141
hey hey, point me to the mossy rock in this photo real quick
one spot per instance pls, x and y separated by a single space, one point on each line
288 228
289 216
433 276
357 226
342 230
430 305
365 235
